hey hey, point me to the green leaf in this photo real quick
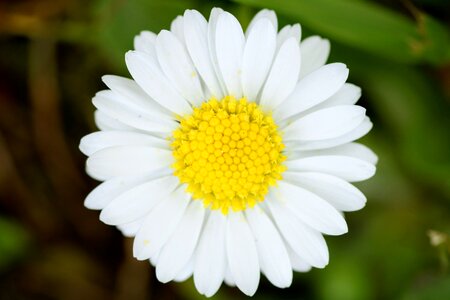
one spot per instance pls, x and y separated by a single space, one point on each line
364 25
13 242
128 18
413 109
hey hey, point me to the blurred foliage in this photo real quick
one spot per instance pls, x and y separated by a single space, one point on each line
52 54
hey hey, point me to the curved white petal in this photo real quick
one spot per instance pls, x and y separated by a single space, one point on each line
105 122
130 229
136 97
313 89
210 256
186 272
138 201
346 167
178 67
358 132
180 247
273 257
177 28
196 33
99 140
307 243
288 31
107 191
145 42
154 258
283 75
309 208
315 51
212 28
257 59
124 111
147 74
127 160
355 150
349 94
229 280
229 42
338 192
298 264
263 14
242 254
160 224
327 123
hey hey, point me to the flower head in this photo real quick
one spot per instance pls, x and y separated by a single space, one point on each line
228 154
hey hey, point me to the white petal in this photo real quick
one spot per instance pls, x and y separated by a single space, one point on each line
242 254
309 208
99 140
160 224
196 33
127 160
288 31
230 41
327 123
353 135
355 150
283 76
313 89
338 192
263 14
229 280
348 168
138 201
130 229
154 258
105 192
298 264
177 28
136 97
145 42
315 51
105 122
273 257
186 272
121 109
178 67
148 75
349 94
212 28
180 247
210 256
307 243
258 56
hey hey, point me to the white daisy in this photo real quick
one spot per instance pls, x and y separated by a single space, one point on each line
228 154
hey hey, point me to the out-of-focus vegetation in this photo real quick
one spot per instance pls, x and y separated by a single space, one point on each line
52 54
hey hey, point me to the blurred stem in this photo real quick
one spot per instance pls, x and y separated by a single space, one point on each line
133 278
48 134
28 205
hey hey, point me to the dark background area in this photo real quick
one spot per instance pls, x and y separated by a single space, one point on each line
52 55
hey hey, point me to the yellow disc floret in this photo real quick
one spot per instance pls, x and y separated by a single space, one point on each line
228 152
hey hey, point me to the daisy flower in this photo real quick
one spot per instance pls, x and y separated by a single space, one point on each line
229 154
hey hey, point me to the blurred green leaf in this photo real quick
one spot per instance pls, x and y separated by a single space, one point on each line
438 289
365 25
13 242
436 43
128 18
411 105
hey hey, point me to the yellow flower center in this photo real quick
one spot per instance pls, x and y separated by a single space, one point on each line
228 152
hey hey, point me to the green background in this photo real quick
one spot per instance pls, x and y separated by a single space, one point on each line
52 54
